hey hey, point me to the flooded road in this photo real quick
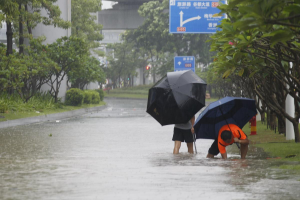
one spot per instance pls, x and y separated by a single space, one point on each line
123 153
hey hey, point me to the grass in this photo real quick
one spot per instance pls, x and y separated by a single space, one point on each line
12 106
212 99
136 92
11 115
129 96
277 146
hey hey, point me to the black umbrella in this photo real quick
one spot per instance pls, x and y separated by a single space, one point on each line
176 98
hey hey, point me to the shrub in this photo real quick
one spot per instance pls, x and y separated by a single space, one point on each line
101 93
3 106
91 97
38 102
96 97
87 97
74 97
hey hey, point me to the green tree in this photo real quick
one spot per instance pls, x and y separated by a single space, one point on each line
25 74
154 38
37 68
67 53
16 12
257 43
83 21
30 16
123 60
88 71
10 11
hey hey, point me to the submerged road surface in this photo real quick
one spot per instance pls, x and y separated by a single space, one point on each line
123 153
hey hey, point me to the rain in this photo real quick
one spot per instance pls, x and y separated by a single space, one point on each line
123 153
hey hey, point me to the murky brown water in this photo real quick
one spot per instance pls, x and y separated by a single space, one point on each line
122 153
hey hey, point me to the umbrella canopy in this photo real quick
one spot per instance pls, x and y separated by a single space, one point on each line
176 98
228 110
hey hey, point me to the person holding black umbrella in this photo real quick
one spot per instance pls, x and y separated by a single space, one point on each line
229 134
175 99
184 133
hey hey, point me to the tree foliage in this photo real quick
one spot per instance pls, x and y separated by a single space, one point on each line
83 21
22 16
257 44
88 70
159 45
26 73
123 61
67 53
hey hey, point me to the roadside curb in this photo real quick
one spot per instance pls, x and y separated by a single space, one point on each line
125 98
50 117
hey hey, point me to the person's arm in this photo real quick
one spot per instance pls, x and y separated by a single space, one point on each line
224 155
245 141
193 122
222 150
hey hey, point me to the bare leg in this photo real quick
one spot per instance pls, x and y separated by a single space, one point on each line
190 147
177 145
244 150
210 156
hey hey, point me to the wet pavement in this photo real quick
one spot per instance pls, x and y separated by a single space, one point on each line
123 153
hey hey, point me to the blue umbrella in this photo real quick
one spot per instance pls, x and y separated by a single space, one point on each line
228 110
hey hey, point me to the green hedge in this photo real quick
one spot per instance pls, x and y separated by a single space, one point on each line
3 106
101 93
74 97
91 97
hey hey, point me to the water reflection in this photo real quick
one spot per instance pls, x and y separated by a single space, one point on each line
105 156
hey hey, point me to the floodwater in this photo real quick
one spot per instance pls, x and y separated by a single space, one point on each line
123 153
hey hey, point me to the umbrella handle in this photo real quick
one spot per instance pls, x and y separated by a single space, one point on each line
238 145
194 137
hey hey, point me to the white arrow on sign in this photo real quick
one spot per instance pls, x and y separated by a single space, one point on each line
179 63
188 20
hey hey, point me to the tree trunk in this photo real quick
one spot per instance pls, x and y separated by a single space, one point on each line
9 36
263 113
268 118
296 131
273 122
21 37
153 74
263 117
28 27
281 125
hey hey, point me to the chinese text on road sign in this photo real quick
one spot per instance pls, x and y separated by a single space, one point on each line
182 63
194 16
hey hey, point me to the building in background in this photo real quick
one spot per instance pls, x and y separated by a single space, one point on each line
52 34
3 33
121 17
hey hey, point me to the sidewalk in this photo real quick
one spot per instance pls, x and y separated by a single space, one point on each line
50 117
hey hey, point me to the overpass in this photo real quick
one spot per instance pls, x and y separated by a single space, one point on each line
121 17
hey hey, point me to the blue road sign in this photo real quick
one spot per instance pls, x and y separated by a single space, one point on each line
182 63
194 16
